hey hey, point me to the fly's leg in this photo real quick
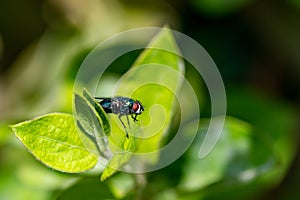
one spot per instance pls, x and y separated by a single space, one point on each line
134 117
128 121
123 125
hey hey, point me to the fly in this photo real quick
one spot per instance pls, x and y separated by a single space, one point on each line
122 106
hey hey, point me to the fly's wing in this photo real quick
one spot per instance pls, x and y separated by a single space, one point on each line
105 103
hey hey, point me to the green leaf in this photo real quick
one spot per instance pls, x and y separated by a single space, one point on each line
241 155
121 156
92 121
277 123
154 80
54 140
101 114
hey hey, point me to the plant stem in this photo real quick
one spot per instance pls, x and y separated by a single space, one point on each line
140 183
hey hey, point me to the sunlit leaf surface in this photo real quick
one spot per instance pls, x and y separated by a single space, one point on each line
54 140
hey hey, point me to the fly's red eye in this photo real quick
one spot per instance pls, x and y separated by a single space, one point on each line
135 107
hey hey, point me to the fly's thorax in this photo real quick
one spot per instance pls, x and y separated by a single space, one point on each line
121 105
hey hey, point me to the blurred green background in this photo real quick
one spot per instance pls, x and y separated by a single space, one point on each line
256 46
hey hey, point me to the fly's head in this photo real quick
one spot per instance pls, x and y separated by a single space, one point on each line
137 108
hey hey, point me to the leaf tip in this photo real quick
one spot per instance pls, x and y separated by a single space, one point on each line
13 127
103 178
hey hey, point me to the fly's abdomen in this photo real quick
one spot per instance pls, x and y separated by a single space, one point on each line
106 105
